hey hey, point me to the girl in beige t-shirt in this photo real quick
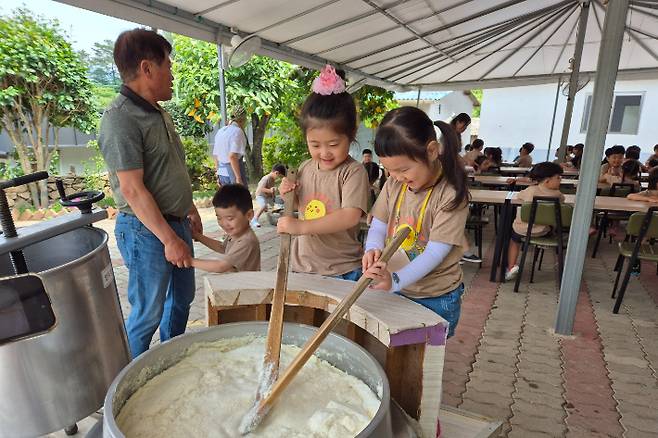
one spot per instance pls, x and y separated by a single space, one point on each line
426 193
332 188
548 177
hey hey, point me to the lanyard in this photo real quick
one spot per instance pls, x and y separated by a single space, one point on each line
423 208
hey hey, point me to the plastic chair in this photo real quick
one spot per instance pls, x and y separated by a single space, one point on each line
642 226
543 210
619 190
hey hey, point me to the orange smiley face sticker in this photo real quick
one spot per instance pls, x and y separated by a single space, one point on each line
315 209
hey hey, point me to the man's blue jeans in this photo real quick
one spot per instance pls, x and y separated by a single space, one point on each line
160 293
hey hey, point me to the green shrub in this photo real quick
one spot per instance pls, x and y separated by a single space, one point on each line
200 165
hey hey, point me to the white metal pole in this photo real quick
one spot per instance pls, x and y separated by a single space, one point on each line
550 137
604 86
573 80
222 85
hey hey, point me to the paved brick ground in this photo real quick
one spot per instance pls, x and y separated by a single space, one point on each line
505 361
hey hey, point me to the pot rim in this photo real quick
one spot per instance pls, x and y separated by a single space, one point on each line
380 416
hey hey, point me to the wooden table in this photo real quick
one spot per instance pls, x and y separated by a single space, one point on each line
407 339
509 200
515 170
502 181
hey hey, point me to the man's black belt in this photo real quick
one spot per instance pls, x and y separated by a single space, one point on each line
172 218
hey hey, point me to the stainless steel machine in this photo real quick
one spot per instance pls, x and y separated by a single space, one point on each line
62 338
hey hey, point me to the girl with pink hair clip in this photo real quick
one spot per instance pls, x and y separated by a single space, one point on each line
331 189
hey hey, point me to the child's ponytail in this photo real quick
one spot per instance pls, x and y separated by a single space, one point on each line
453 167
408 130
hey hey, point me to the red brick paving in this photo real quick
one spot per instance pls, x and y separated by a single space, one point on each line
590 404
462 347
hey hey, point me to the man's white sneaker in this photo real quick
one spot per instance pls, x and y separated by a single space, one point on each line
511 273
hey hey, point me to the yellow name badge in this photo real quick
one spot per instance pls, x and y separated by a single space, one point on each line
315 209
408 243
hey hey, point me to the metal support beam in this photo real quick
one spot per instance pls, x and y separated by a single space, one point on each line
604 86
418 99
573 79
550 137
222 85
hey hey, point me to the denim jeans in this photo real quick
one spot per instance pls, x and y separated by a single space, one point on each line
231 178
447 306
352 275
160 294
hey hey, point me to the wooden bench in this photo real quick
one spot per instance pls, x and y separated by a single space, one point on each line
407 339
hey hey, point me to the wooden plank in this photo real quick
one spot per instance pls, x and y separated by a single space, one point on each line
212 316
458 423
404 368
378 313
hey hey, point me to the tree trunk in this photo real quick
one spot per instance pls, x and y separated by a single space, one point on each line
255 151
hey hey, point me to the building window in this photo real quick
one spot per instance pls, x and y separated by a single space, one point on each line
625 115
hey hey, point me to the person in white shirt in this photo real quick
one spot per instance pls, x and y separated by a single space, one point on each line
230 147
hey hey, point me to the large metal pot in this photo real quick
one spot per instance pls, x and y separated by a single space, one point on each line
337 350
53 377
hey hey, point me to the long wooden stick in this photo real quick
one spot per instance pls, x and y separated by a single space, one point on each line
275 327
262 407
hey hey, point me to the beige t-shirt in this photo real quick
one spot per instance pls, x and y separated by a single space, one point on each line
243 252
524 161
266 182
527 195
322 192
471 156
439 225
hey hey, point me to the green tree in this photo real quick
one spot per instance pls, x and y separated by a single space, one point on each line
43 87
262 86
101 64
373 103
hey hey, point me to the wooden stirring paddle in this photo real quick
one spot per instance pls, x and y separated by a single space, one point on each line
262 406
275 328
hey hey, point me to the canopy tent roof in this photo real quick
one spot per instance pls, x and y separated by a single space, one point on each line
433 44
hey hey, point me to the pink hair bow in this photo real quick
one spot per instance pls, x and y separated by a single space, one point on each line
328 82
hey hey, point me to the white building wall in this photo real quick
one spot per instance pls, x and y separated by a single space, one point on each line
513 116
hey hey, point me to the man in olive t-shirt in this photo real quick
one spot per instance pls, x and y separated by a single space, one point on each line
149 179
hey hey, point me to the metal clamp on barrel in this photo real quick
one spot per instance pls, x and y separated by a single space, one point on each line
8 227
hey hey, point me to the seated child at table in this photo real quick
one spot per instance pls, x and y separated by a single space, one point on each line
332 188
574 161
633 153
493 161
651 194
652 161
652 164
548 176
630 174
611 171
241 250
524 159
472 155
265 191
428 195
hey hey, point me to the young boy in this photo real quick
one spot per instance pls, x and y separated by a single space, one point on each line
524 159
651 194
241 250
653 158
548 176
611 171
474 153
265 191
633 154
